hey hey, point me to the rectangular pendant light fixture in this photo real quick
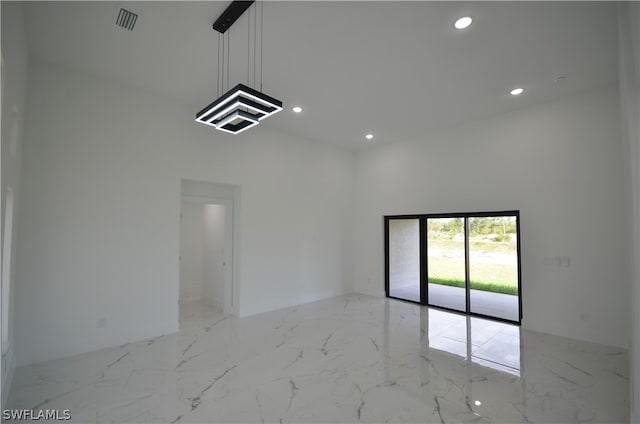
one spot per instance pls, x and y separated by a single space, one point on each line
239 109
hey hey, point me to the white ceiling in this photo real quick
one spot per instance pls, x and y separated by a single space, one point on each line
395 69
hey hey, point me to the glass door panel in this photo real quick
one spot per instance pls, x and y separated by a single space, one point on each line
404 258
493 266
446 274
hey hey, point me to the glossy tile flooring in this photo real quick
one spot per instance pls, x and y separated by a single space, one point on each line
348 359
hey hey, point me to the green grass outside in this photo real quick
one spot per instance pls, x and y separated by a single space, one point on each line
475 244
477 285
497 278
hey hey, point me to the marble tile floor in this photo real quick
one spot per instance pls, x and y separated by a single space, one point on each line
349 359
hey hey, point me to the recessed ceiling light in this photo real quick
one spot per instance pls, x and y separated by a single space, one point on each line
369 136
297 109
463 22
517 91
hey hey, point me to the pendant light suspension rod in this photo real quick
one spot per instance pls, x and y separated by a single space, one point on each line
248 44
261 38
220 63
228 57
255 39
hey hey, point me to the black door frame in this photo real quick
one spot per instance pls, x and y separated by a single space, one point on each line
424 292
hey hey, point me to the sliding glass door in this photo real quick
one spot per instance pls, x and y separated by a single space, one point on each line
464 262
493 266
446 269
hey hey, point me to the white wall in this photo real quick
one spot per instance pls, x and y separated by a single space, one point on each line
214 240
629 56
14 52
100 229
560 164
192 251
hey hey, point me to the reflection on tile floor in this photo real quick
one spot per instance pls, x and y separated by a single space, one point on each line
349 359
492 344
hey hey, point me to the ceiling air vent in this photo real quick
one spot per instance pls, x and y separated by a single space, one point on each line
126 19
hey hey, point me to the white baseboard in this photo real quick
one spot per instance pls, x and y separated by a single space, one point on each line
189 296
372 293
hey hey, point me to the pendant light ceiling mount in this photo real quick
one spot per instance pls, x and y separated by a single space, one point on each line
231 15
242 107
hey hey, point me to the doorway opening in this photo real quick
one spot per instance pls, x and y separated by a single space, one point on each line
207 259
462 262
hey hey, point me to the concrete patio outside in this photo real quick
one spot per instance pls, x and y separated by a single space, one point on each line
497 305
